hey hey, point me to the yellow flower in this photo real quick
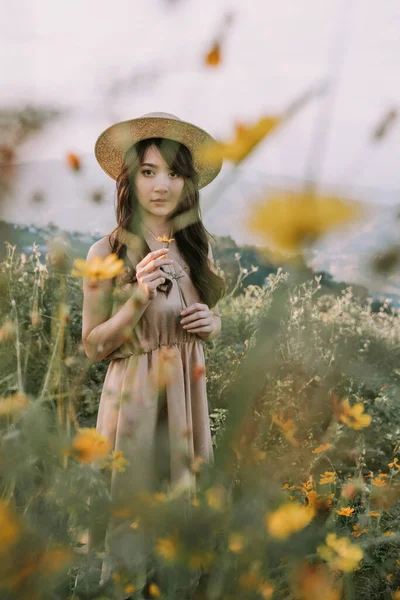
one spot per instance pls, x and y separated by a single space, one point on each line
116 461
396 595
340 553
327 477
215 497
164 239
373 513
154 590
213 57
199 560
98 268
266 589
395 463
291 220
378 482
286 486
11 405
129 589
236 542
346 511
321 448
167 548
89 445
287 427
357 531
389 533
9 527
246 139
353 415
288 518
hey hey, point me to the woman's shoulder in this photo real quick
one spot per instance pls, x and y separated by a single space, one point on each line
101 248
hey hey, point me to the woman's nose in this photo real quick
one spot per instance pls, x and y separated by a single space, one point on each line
161 183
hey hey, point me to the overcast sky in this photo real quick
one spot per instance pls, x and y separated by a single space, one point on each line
68 55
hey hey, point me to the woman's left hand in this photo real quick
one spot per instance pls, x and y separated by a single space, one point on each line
198 318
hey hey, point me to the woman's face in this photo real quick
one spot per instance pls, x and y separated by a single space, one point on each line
155 181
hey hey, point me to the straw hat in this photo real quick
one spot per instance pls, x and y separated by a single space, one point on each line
115 141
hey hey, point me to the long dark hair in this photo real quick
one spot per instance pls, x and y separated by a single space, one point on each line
188 230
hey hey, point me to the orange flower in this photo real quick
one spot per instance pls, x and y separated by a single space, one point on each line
357 531
154 590
288 428
353 416
236 542
394 464
12 405
246 139
340 553
292 220
287 519
213 57
97 268
327 477
322 448
9 527
345 511
378 482
89 446
373 513
73 161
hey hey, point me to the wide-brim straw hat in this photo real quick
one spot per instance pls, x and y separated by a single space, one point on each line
114 141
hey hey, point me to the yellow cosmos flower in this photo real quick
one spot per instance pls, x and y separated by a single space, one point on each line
287 519
215 497
373 513
199 560
345 511
266 589
353 416
389 533
322 448
12 405
247 137
168 548
90 446
394 464
164 239
357 531
236 542
98 268
116 460
378 482
340 553
291 220
129 589
154 590
327 477
9 527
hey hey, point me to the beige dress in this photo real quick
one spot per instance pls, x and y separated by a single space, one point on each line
153 405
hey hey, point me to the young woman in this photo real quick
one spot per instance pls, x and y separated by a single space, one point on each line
153 406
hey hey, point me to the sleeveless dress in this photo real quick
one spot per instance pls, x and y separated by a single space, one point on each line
153 405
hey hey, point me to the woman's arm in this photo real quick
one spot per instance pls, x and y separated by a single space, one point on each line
215 309
102 335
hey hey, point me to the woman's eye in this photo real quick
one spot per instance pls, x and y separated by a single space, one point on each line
147 171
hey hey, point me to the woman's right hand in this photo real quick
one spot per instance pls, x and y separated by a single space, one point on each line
148 273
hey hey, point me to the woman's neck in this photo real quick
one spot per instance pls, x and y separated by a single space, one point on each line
157 227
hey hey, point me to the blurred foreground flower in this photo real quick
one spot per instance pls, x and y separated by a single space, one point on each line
98 268
73 161
353 416
321 448
292 220
247 137
288 518
213 56
12 405
340 553
90 446
315 583
9 528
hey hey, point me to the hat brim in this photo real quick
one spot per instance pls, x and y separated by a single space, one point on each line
114 141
